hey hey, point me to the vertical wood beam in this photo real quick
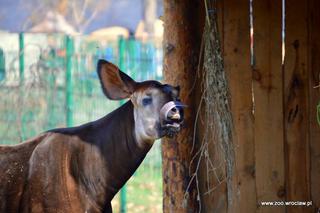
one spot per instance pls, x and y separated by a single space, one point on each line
296 102
268 105
314 99
236 48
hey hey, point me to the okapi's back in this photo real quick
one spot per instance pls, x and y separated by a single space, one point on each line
14 166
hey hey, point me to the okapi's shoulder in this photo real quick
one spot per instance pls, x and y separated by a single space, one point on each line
88 132
73 131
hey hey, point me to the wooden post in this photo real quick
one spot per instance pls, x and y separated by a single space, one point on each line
296 106
268 105
236 48
182 38
314 99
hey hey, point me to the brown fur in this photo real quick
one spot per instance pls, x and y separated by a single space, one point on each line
71 170
80 169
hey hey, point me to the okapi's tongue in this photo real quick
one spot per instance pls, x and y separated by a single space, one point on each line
166 109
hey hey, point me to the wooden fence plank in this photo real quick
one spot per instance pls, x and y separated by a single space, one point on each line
314 94
296 104
268 107
236 48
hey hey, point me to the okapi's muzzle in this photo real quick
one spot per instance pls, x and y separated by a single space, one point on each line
172 116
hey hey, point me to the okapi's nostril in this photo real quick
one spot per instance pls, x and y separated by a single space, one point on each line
174 109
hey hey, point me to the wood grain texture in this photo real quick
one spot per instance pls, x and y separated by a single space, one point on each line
236 48
182 39
314 98
296 102
268 105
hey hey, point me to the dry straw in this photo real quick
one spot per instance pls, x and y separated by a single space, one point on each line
213 114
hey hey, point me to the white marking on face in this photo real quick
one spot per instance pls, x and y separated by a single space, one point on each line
147 105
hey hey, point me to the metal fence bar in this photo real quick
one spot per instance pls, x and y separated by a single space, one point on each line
69 86
133 55
2 64
21 79
21 56
121 63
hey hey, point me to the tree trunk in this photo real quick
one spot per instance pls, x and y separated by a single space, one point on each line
183 21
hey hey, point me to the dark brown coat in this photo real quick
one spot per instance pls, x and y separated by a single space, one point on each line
80 169
71 170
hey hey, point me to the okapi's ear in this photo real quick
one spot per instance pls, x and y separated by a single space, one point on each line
115 84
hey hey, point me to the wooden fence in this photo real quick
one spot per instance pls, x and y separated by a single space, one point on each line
274 100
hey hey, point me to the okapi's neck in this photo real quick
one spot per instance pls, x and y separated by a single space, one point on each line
119 145
114 150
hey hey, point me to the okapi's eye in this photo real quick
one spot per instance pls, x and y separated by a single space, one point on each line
146 101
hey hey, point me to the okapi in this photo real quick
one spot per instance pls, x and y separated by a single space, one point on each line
80 169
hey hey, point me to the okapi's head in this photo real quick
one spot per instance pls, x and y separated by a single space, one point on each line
157 110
